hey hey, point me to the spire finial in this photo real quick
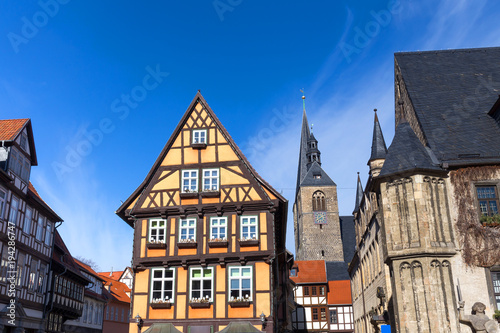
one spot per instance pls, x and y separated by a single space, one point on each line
303 99
376 117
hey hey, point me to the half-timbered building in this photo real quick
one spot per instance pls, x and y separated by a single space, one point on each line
209 235
26 229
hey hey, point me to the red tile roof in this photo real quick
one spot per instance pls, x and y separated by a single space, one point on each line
10 128
339 292
117 289
88 269
310 271
112 275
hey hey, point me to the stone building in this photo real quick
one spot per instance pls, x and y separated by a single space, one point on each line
425 223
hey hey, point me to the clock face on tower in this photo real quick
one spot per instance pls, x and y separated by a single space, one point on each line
320 218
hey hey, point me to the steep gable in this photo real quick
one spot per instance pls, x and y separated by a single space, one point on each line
238 181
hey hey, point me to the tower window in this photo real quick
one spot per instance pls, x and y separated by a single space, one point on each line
318 201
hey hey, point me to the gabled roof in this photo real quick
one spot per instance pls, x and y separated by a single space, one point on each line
38 198
117 290
311 177
198 98
339 292
10 129
337 270
407 153
310 271
86 268
452 92
379 149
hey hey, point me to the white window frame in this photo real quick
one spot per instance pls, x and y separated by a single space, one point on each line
188 188
157 229
39 227
217 223
14 210
187 228
162 279
240 278
245 222
198 138
210 178
201 279
48 233
3 201
28 219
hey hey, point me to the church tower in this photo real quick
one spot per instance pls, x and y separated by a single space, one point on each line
315 211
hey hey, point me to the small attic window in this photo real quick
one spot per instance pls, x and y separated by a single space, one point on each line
23 142
293 272
317 175
199 138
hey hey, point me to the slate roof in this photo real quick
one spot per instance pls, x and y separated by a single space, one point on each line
407 153
379 149
452 92
337 270
316 170
304 136
63 257
348 236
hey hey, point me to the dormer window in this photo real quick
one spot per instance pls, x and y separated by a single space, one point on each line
19 164
24 142
317 176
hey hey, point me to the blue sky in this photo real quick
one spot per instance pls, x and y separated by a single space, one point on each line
78 69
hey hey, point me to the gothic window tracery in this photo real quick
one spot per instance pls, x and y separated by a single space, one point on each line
318 201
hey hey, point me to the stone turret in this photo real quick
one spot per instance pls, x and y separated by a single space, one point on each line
379 149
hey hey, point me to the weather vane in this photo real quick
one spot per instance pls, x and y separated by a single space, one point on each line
303 99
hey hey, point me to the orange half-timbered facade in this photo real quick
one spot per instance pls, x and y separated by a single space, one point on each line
209 239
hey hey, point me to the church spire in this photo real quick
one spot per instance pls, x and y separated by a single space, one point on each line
304 137
359 195
379 149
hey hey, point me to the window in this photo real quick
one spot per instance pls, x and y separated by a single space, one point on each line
39 228
33 280
162 284
199 136
116 314
315 314
318 201
23 142
48 233
322 313
210 179
112 312
3 199
41 278
306 291
240 282
293 272
5 263
85 312
314 291
319 314
27 220
322 291
201 283
248 227
107 312
495 276
13 210
19 164
123 315
218 227
187 229
189 181
91 312
488 200
157 229
20 268
333 317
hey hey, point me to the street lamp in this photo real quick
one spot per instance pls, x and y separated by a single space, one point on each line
139 322
263 319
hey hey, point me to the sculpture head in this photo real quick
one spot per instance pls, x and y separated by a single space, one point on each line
478 307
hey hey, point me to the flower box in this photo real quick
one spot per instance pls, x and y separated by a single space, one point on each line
217 243
248 242
240 304
189 195
156 245
210 194
187 245
162 305
200 305
199 145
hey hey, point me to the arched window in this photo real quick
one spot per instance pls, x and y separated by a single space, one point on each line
318 201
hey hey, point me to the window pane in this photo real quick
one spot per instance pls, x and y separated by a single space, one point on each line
235 272
246 272
493 207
